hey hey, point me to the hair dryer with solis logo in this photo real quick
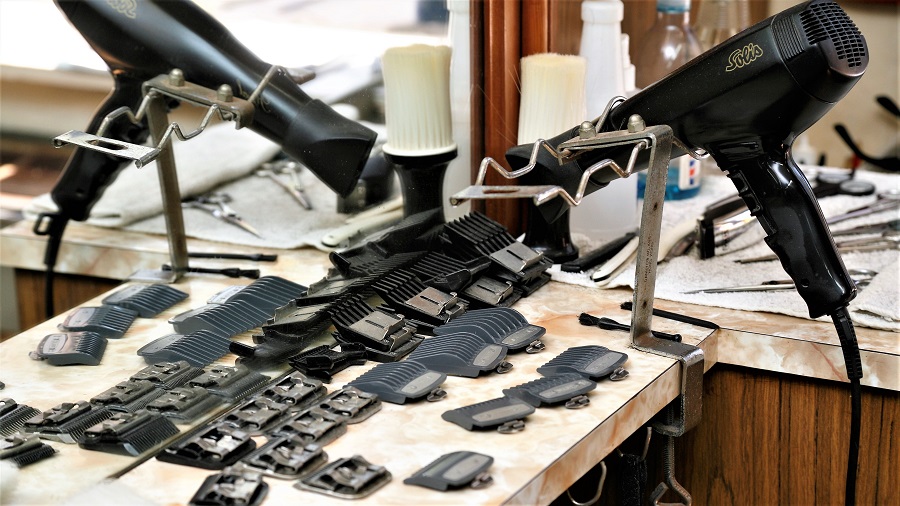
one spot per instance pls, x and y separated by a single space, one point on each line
745 101
141 40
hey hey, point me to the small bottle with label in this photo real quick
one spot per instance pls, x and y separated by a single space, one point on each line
668 45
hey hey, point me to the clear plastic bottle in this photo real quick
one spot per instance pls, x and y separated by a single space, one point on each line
669 44
717 20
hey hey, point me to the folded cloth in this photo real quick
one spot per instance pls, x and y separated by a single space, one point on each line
685 273
220 153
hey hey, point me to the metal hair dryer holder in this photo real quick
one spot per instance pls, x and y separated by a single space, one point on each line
153 106
659 140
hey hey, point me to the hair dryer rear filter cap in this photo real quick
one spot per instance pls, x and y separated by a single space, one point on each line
333 147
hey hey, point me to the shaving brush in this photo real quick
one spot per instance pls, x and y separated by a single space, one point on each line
419 129
552 99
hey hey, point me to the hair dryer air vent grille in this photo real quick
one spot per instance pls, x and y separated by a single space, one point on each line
827 20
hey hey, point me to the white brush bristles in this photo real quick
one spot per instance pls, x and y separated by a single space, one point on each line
552 95
417 100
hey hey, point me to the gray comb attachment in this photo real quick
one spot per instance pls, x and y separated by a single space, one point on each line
230 383
198 349
184 404
592 362
553 390
128 433
131 395
504 414
454 470
71 348
285 458
22 449
66 422
168 375
460 354
13 416
267 293
400 382
500 325
109 321
146 300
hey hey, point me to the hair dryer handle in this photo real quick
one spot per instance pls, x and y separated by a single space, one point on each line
87 173
780 197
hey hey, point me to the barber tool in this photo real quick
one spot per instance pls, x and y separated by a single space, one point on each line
877 244
323 363
130 396
22 450
296 390
569 389
127 37
363 224
401 382
501 325
256 415
311 426
146 300
216 204
616 263
254 257
231 486
71 348
108 321
212 447
467 279
406 293
419 128
66 422
674 316
284 458
553 97
885 201
128 433
351 404
347 478
454 470
184 404
199 348
13 416
461 354
387 337
610 324
862 277
230 383
167 375
231 272
591 361
874 228
290 168
505 414
598 256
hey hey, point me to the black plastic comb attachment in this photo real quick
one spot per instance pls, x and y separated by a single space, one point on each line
449 274
168 375
184 404
285 458
460 354
214 447
499 325
406 293
387 337
312 425
229 383
295 390
13 416
198 349
490 414
66 422
323 363
71 348
22 449
347 478
296 321
352 404
256 415
128 433
399 382
231 487
109 321
551 390
146 300
131 395
592 362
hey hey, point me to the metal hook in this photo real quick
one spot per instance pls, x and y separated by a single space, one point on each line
599 489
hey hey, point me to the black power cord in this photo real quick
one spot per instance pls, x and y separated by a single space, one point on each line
853 363
51 225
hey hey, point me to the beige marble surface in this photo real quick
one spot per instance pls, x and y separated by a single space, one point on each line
531 467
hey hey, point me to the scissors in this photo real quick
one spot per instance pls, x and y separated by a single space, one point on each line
272 170
886 201
862 277
216 204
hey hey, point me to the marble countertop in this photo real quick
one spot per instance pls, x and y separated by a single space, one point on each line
530 467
